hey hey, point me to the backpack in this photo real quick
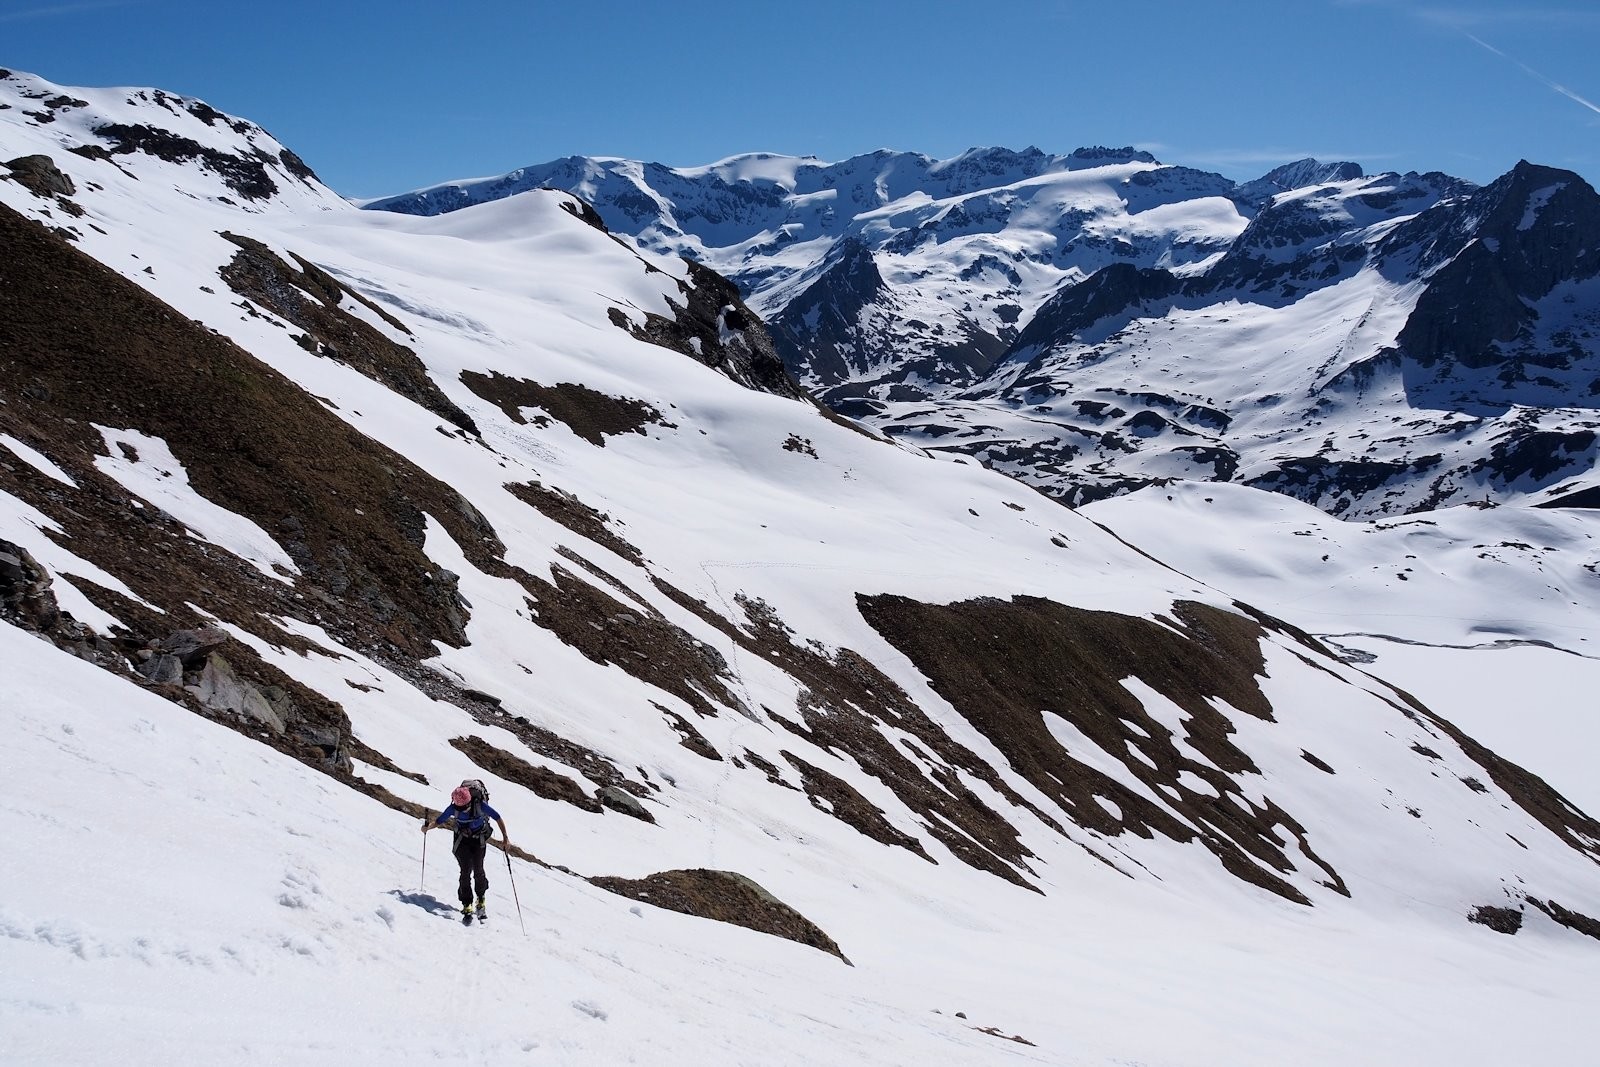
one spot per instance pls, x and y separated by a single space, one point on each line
472 822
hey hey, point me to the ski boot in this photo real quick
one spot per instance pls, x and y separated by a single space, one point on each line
466 915
483 911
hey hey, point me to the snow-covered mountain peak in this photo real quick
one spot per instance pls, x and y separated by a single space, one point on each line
1297 175
903 288
162 136
1100 156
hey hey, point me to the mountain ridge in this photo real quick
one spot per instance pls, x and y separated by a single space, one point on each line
918 312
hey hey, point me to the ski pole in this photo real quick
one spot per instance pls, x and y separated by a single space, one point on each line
424 879
512 876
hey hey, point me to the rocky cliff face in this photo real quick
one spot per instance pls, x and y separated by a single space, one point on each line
1510 318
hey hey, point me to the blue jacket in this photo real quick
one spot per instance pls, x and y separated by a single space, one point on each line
465 823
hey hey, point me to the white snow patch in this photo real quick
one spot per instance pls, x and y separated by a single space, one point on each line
146 467
36 459
22 524
1536 203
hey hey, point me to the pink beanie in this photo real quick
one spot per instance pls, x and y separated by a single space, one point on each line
461 796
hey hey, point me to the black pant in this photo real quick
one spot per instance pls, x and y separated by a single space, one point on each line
469 853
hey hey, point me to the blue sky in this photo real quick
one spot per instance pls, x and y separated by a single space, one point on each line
380 97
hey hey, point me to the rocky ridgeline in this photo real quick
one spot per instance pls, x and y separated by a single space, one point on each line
951 305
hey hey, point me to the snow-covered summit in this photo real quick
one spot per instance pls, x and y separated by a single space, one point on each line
165 137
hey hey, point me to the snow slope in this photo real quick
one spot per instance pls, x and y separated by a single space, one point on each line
205 897
1210 841
1488 614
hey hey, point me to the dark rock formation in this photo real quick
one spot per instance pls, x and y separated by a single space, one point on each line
1500 920
39 175
245 174
25 596
1296 175
714 327
1119 290
817 332
1502 252
620 800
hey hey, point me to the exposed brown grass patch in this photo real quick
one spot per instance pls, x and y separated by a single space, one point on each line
689 737
583 520
79 344
844 802
1572 920
726 897
541 781
590 414
1004 665
1527 790
844 701
644 644
310 299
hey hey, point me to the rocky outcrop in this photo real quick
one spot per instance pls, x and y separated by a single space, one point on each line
40 176
28 601
224 680
25 596
713 326
620 800
185 665
1318 236
1121 289
310 298
245 173
1297 175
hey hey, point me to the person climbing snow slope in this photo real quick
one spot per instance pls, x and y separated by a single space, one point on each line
468 815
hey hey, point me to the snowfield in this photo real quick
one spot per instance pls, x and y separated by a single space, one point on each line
185 893
1091 814
1490 616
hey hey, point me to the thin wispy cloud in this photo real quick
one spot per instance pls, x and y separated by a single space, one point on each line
1460 18
57 10
1548 82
